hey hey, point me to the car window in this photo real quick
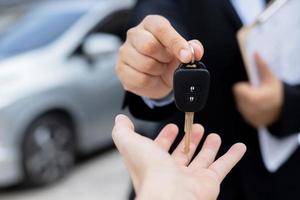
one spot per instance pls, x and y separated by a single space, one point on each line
36 30
115 23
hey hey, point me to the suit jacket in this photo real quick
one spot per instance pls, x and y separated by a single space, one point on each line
215 23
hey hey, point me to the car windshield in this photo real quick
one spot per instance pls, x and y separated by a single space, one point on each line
36 30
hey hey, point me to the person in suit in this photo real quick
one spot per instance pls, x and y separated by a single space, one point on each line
159 40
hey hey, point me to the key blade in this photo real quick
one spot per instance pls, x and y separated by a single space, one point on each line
188 125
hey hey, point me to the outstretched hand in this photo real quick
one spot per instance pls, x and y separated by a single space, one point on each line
158 175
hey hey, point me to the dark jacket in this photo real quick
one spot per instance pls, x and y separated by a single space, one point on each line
215 23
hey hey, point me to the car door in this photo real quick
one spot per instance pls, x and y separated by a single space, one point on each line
100 94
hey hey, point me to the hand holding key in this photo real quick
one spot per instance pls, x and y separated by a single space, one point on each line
152 52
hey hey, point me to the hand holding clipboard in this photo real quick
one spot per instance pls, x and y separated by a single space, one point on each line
275 35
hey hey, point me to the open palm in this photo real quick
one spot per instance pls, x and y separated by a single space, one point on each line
156 174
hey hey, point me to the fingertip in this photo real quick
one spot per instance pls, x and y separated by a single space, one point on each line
238 150
123 132
197 131
215 137
239 147
123 120
241 86
198 49
257 56
235 87
119 118
213 141
173 128
198 128
169 131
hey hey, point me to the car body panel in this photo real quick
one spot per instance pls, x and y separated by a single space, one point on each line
56 78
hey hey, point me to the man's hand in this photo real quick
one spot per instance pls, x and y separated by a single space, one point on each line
260 106
158 175
151 54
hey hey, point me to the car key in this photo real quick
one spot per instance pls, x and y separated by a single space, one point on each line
191 86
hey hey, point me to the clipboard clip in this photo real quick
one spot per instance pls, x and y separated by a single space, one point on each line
273 7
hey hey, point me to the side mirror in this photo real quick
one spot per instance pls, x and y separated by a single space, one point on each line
100 44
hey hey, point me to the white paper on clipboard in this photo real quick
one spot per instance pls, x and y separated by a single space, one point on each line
275 35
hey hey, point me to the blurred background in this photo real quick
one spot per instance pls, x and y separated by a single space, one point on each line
58 98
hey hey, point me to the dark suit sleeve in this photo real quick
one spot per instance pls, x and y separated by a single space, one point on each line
170 10
139 109
289 120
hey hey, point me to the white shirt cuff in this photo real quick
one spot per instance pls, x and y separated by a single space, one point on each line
151 103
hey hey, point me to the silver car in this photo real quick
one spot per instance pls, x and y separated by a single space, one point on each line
58 90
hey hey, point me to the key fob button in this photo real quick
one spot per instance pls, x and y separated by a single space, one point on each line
190 98
192 89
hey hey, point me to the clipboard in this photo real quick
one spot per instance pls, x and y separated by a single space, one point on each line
275 35
270 31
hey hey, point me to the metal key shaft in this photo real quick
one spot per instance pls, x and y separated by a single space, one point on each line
188 125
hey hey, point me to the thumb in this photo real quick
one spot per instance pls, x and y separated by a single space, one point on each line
265 73
127 143
242 89
122 129
122 121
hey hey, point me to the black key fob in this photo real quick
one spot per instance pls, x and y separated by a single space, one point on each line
191 86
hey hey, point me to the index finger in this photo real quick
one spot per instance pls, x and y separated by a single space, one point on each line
163 31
